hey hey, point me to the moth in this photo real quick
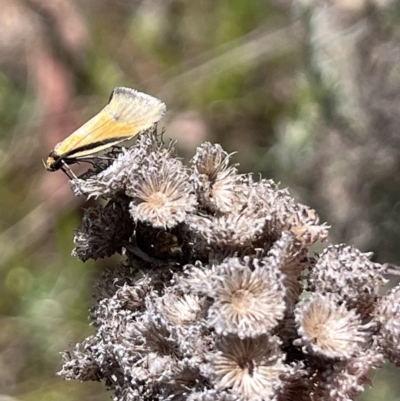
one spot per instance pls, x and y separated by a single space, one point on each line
127 114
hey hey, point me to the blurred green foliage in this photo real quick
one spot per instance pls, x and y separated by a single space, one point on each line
247 74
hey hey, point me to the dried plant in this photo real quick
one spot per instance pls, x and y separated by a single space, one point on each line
220 296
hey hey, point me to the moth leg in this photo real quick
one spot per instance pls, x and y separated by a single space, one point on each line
68 172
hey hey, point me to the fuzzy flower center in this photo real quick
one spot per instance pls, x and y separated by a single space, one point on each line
242 300
157 199
318 334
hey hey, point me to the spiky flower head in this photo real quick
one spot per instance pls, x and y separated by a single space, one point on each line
346 271
250 367
162 195
304 223
116 169
217 184
283 213
230 232
387 316
104 230
81 363
328 329
344 380
181 310
248 300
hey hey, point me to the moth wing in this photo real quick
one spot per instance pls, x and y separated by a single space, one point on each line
136 108
128 113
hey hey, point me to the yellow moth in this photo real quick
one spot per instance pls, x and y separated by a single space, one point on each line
127 114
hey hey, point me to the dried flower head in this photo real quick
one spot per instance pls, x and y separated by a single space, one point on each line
195 278
80 363
250 367
151 333
297 384
104 231
328 329
235 231
304 223
346 271
344 380
135 277
284 214
181 310
387 316
217 184
162 195
111 174
288 257
247 302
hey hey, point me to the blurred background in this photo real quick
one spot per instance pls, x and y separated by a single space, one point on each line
307 92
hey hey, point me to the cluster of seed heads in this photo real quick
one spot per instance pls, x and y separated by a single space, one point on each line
219 296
